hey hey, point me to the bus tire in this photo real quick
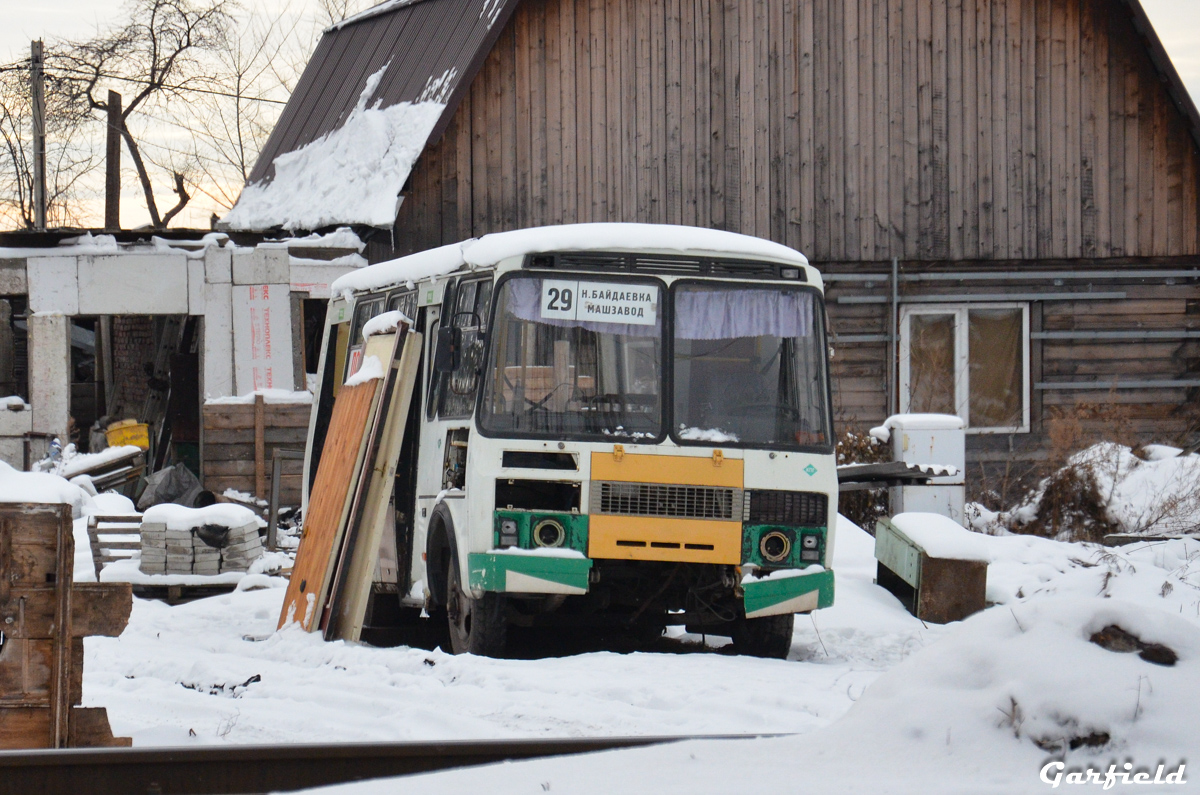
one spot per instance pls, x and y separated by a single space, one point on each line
769 636
476 626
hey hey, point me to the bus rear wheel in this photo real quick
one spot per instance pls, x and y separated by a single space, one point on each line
769 636
477 626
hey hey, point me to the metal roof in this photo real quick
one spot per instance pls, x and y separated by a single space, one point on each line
424 41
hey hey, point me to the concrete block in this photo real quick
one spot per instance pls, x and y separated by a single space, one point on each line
50 380
53 284
262 338
152 568
315 278
196 283
262 265
217 362
134 284
13 280
179 535
154 527
218 265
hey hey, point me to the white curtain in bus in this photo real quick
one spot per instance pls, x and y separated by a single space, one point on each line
721 314
525 302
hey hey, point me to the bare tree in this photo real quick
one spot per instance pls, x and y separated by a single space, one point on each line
334 11
70 154
159 51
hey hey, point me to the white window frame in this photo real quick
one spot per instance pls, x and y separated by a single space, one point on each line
962 370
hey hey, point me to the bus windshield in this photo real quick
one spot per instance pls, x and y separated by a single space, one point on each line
748 366
573 358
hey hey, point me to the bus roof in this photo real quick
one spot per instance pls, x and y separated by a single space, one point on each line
491 249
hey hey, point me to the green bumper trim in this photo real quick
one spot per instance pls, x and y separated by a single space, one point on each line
497 571
798 594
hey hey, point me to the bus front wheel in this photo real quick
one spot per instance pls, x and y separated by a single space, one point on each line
769 636
477 626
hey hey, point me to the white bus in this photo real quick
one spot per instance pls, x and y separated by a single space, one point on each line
615 425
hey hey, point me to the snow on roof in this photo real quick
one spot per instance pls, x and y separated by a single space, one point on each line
490 249
351 175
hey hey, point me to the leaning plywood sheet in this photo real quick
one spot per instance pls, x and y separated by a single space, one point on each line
333 491
349 602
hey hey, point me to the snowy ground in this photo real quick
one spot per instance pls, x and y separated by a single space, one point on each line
877 702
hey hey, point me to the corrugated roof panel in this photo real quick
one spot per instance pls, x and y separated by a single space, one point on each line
424 41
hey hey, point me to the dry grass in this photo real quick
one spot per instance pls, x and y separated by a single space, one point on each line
862 507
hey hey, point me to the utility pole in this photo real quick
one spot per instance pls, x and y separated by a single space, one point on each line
38 87
112 161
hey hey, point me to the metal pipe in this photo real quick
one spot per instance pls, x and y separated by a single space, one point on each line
982 297
1022 276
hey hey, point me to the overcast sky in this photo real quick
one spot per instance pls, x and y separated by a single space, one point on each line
1176 21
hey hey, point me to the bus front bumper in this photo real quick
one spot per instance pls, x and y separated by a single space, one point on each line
518 572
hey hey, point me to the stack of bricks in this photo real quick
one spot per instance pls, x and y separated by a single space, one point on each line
244 547
154 548
169 551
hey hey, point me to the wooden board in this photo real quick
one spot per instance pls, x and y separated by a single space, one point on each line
333 492
348 606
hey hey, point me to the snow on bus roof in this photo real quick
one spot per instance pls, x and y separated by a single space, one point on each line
490 249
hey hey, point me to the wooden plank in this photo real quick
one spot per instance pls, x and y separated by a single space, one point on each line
272 437
777 108
348 605
329 503
658 111
851 104
1133 110
100 609
1015 206
837 140
673 194
954 127
568 73
645 179
521 92
627 86
805 190
925 111
1030 153
507 101
999 127
706 129
597 95
552 20
1088 139
28 727
987 206
1073 125
1116 132
688 108
823 171
1045 134
880 219
260 453
89 728
27 671
910 87
897 145
939 233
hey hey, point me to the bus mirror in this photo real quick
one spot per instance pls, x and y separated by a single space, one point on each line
448 349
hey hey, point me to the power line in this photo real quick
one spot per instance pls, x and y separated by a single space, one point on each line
173 88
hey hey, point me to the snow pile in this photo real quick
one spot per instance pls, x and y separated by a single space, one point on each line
1107 489
385 323
222 514
371 369
942 537
269 396
342 237
41 487
351 175
72 463
14 403
490 249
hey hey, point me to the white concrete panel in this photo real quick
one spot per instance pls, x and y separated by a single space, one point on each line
315 279
50 379
12 277
218 265
217 367
12 451
261 266
195 275
53 285
133 284
15 423
262 337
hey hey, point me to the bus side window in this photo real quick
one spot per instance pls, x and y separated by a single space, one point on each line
471 304
435 378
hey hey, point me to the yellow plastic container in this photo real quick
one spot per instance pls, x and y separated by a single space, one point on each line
128 432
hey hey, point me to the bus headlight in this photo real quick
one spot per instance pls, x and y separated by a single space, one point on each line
549 533
774 546
508 533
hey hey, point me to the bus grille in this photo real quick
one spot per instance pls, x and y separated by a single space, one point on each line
792 508
654 499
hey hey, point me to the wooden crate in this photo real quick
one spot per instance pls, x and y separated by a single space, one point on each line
240 439
937 590
44 618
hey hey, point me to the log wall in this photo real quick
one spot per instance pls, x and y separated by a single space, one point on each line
233 460
852 130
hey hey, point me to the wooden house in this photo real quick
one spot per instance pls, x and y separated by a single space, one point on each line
1003 194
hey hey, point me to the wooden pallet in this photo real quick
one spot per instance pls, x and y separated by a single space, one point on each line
115 540
44 618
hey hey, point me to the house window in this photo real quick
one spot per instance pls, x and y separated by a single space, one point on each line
969 360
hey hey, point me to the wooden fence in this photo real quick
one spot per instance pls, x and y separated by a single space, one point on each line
239 440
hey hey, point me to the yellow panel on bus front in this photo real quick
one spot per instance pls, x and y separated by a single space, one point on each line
680 470
654 538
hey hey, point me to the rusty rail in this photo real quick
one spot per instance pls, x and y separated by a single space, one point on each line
209 770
